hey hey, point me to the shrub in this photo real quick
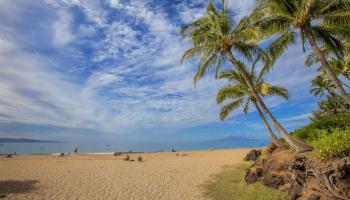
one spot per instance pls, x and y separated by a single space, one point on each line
322 127
332 145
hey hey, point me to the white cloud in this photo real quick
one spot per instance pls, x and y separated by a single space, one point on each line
87 30
297 117
91 8
241 8
62 29
6 46
119 37
188 14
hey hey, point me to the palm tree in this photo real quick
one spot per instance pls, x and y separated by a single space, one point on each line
330 106
214 37
341 67
321 84
318 21
240 96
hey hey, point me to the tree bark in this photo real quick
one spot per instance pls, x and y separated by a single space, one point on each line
295 144
274 138
334 97
331 75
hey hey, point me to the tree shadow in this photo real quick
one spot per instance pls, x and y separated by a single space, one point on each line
17 187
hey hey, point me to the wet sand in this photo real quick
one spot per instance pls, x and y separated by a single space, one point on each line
161 176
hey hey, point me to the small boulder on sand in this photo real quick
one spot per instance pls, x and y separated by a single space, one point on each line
127 158
253 155
140 159
117 154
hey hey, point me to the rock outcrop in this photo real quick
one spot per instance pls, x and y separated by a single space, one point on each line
302 176
253 155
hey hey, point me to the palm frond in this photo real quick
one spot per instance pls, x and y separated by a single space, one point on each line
280 45
229 92
278 91
326 36
229 108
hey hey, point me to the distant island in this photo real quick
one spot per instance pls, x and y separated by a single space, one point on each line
23 140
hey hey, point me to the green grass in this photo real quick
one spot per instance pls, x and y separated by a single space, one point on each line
230 185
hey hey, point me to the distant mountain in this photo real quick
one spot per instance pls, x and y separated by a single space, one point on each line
235 138
23 140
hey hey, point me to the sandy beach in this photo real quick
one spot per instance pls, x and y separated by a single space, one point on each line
161 176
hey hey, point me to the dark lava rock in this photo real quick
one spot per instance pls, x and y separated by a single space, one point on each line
314 197
343 168
253 175
296 192
253 155
298 163
140 159
117 154
127 158
273 180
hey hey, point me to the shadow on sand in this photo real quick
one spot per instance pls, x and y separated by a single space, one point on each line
16 187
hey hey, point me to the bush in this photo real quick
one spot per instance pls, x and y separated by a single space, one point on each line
333 145
322 127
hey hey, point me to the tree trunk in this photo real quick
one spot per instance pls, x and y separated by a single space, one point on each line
274 139
331 75
334 97
297 145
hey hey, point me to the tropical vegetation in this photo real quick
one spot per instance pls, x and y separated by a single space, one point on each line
318 21
216 39
329 135
275 24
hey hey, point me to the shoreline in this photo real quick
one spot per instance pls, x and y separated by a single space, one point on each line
127 152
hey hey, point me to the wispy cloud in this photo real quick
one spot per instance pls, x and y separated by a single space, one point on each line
62 29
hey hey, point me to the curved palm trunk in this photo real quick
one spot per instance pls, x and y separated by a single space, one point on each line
326 66
333 96
297 145
274 138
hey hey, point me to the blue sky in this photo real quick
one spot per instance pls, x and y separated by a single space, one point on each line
92 69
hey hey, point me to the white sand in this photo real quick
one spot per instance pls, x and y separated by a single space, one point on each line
161 176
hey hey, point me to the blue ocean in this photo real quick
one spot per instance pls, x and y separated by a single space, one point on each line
104 147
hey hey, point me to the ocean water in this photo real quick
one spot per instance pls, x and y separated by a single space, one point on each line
103 147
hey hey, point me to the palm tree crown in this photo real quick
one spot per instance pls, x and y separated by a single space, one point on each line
240 95
320 85
215 34
318 21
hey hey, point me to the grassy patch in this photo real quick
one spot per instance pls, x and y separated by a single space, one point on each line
230 185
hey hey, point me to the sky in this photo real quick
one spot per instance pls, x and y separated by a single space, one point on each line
111 69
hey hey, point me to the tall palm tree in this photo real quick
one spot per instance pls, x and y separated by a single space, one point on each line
240 96
316 20
321 84
341 67
215 37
